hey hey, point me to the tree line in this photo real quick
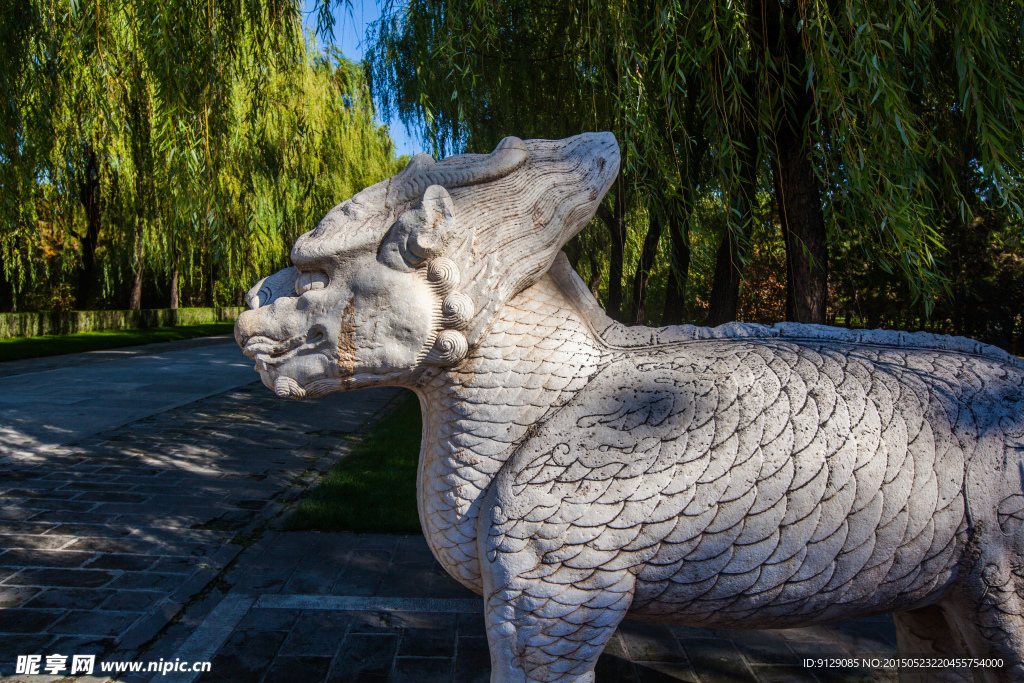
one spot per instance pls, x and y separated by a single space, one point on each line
852 162
168 153
824 161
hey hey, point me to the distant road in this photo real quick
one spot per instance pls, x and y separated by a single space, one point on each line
51 402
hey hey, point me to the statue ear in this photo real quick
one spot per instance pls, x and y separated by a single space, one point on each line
421 233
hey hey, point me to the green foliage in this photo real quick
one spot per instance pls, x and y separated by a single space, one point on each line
313 144
373 489
914 125
172 140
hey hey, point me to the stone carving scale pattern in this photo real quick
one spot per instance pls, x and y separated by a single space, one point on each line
574 471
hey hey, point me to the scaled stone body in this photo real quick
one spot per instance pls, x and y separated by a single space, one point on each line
574 471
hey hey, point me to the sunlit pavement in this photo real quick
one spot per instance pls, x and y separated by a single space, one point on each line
42 408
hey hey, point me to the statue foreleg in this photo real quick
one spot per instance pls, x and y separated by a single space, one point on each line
549 622
925 633
985 610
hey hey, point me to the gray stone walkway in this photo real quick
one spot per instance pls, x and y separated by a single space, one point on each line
53 407
128 486
306 606
21 367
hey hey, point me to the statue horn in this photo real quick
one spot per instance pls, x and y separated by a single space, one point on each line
456 171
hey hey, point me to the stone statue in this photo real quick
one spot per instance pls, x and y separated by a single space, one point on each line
574 471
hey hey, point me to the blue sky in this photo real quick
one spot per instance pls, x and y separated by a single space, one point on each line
349 37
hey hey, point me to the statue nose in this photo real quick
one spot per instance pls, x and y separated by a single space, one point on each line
280 284
245 326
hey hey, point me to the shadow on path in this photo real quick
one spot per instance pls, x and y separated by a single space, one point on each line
108 532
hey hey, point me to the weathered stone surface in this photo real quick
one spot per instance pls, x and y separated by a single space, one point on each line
574 471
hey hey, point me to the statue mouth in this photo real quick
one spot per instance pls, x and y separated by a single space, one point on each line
269 351
288 370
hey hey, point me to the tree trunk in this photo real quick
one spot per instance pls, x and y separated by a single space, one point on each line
211 279
796 186
642 276
618 231
89 195
616 223
725 287
174 287
679 233
803 230
595 275
6 294
135 299
680 213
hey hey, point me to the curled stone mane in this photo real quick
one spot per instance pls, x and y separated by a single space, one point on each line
456 309
456 171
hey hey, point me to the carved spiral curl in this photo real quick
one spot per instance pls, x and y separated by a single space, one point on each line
449 348
443 273
456 311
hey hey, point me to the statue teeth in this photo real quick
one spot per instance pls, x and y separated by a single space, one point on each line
286 387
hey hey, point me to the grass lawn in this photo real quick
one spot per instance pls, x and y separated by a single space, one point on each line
373 489
20 348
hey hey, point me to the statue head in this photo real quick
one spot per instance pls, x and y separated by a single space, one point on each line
409 273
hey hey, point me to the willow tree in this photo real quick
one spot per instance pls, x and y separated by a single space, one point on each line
191 142
827 107
88 85
315 143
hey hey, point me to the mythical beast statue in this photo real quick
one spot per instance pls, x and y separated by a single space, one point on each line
574 471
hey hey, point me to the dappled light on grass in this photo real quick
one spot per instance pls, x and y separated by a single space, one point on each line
373 489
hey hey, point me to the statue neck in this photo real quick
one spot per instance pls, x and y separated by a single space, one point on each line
537 355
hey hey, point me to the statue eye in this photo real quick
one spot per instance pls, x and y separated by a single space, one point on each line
309 281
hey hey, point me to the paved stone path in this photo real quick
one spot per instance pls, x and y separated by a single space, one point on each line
128 486
141 498
307 606
21 367
43 408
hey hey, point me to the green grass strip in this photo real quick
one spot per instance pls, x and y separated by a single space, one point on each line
373 488
20 348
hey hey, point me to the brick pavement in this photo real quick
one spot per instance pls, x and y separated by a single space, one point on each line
106 536
346 607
